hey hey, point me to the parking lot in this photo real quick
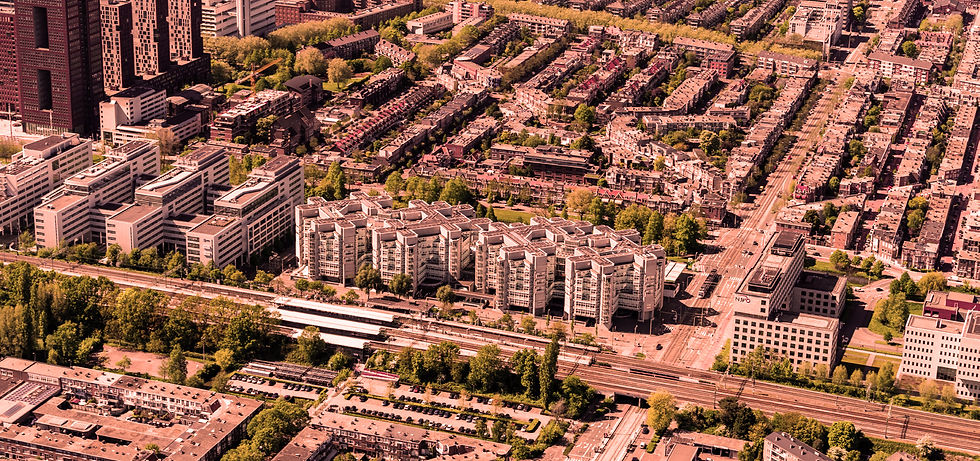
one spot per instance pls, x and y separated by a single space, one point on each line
270 388
441 410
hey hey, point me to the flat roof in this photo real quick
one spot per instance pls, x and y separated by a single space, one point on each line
335 324
135 212
348 311
936 324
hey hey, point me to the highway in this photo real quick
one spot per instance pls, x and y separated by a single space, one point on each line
611 373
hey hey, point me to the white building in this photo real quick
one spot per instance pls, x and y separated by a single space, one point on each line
787 311
251 216
944 350
219 18
76 212
138 112
35 171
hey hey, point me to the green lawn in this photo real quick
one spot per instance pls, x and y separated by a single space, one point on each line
505 215
855 358
856 279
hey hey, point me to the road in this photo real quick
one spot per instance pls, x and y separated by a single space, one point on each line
698 345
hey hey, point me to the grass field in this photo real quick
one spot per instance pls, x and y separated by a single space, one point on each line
855 358
505 215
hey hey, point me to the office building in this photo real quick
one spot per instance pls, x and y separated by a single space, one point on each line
9 92
944 350
132 106
251 216
35 171
60 73
785 310
780 446
820 22
117 44
160 206
463 10
76 212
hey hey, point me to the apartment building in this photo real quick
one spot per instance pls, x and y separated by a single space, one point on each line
915 71
788 312
922 252
748 25
76 212
540 25
117 42
463 10
35 171
670 11
593 270
241 118
888 229
690 92
203 424
780 446
944 350
431 24
785 64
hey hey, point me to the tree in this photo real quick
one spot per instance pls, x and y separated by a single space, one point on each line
929 391
886 378
932 281
709 143
225 358
584 116
262 277
661 411
811 432
549 368
525 365
858 13
124 363
914 220
577 397
485 369
528 325
633 217
311 349
888 336
877 269
948 395
133 315
857 378
380 64
455 192
64 343
446 295
579 201
340 360
893 311
840 375
310 61
654 229
909 49
338 72
400 284
736 416
25 240
395 184
232 276
174 369
273 427
842 434
840 260
368 278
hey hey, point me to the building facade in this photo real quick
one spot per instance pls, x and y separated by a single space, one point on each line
59 64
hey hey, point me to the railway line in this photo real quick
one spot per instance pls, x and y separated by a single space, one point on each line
610 373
